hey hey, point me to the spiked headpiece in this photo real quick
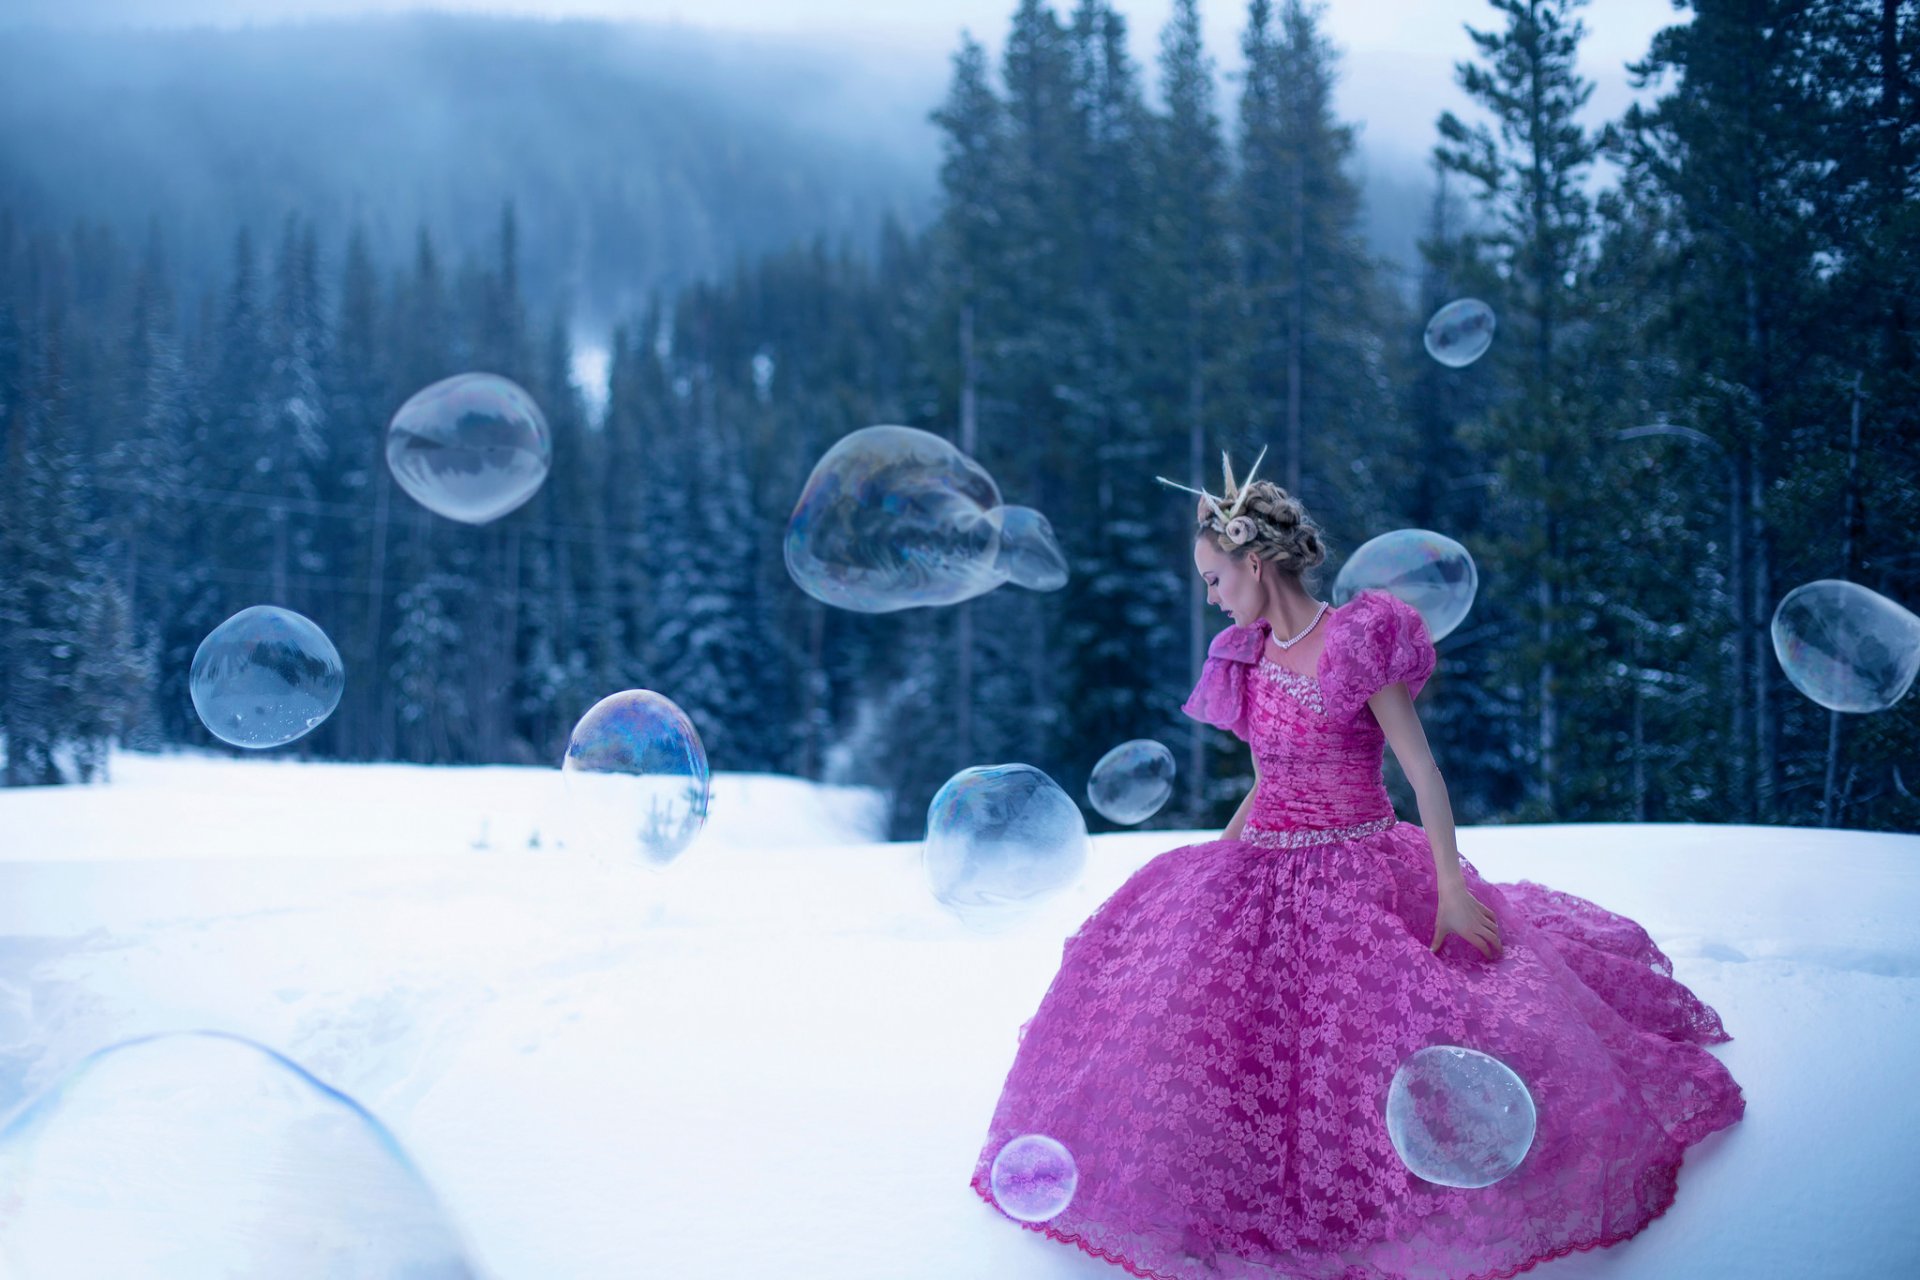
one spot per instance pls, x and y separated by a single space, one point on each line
1226 517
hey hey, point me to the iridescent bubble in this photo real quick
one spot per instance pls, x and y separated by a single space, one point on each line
637 776
1845 646
1033 1178
896 518
1459 1118
1428 570
195 1155
471 447
1460 332
1030 555
999 839
1131 781
264 677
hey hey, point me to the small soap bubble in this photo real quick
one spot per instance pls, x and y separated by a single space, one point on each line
264 677
1428 570
999 839
1845 646
470 447
1460 332
1030 555
897 518
1034 1178
1131 781
1458 1117
190 1155
637 778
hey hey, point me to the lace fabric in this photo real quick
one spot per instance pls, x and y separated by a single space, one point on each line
1217 1045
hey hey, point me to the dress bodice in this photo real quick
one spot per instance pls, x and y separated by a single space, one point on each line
1317 746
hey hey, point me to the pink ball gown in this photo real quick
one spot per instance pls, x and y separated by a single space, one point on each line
1217 1046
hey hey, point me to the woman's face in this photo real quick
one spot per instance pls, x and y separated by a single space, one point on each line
1232 585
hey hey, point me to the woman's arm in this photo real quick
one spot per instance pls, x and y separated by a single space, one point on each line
1393 708
1459 911
1246 807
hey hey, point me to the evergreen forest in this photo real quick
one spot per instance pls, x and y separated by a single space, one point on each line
1704 391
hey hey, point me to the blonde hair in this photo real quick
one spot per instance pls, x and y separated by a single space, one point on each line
1284 535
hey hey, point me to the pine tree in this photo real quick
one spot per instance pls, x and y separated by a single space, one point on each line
1528 173
1189 323
1736 145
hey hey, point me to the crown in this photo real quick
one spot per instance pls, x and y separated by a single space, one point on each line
1227 518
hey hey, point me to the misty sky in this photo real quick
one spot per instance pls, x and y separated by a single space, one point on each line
1397 68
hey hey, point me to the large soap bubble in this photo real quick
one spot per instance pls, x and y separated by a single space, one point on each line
637 776
1460 332
264 677
1034 1178
199 1156
1000 838
471 447
1458 1117
1428 570
1131 781
1845 646
895 518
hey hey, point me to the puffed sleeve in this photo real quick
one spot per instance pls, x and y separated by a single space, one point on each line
1377 639
1220 698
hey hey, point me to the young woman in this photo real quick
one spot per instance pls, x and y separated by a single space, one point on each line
1217 1047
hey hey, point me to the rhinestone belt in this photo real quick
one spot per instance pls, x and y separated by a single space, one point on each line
1302 837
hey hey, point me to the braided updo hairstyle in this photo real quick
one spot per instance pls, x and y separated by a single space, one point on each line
1285 536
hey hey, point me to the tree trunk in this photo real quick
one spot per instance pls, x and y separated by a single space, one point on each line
1829 801
1739 756
1196 592
1296 326
963 629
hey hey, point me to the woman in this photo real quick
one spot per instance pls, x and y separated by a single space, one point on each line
1217 1047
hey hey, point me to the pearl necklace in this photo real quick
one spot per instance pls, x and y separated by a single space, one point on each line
1291 641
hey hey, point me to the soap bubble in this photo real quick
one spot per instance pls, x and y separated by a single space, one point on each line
471 447
199 1154
1458 1117
264 677
1460 332
1029 556
1428 570
1131 781
1033 1178
1000 838
1846 647
896 518
637 775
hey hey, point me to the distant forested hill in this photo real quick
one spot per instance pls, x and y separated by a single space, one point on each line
636 156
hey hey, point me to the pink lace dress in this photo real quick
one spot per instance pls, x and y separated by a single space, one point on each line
1217 1046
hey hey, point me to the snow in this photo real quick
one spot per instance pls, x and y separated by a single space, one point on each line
778 1056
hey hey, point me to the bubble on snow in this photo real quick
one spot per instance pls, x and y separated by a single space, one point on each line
1034 1178
1132 781
999 839
897 518
1845 646
265 677
470 447
1458 1117
1460 332
1428 570
637 779
183 1156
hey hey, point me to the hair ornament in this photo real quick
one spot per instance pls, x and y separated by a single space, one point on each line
1227 518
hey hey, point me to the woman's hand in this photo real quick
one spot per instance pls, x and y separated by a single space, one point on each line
1462 913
